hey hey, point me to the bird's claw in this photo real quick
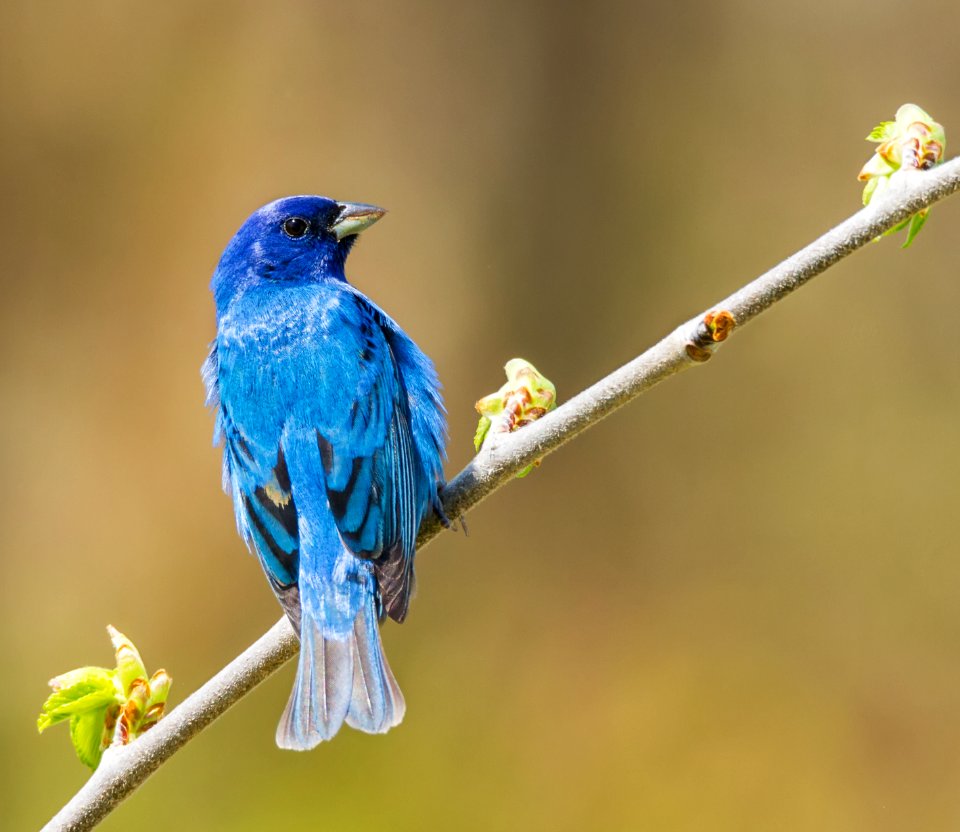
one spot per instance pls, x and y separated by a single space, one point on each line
438 509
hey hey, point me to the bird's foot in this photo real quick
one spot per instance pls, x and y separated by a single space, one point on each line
437 505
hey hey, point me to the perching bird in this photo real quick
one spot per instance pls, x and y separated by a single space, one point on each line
333 430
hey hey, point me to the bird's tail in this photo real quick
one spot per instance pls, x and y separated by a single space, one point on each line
343 677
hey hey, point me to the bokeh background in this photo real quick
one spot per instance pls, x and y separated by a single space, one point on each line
731 606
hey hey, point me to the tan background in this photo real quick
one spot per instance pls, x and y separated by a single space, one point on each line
732 606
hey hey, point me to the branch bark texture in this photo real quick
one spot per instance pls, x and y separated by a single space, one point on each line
124 769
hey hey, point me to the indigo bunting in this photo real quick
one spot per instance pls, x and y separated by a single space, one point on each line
333 431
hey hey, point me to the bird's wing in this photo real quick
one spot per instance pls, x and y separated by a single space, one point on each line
271 516
374 480
427 415
258 481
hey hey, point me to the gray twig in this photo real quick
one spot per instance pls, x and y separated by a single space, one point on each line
122 770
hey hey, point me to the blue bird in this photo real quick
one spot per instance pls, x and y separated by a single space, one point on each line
333 431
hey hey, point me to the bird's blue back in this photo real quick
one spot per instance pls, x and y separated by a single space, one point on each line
333 432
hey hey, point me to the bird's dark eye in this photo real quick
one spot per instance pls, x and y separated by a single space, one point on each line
295 227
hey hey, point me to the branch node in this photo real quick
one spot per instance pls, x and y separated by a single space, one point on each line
712 330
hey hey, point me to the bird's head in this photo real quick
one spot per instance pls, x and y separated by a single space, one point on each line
296 239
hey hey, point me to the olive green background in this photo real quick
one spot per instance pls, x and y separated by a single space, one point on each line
731 606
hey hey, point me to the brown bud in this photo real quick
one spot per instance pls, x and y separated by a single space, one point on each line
720 325
697 353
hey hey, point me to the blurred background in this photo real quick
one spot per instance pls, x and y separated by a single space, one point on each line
730 606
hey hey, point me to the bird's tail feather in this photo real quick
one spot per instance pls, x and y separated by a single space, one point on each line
321 692
340 678
377 703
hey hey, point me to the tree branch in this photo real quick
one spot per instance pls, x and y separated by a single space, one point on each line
123 769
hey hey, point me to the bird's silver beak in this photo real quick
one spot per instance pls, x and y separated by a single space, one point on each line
354 217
